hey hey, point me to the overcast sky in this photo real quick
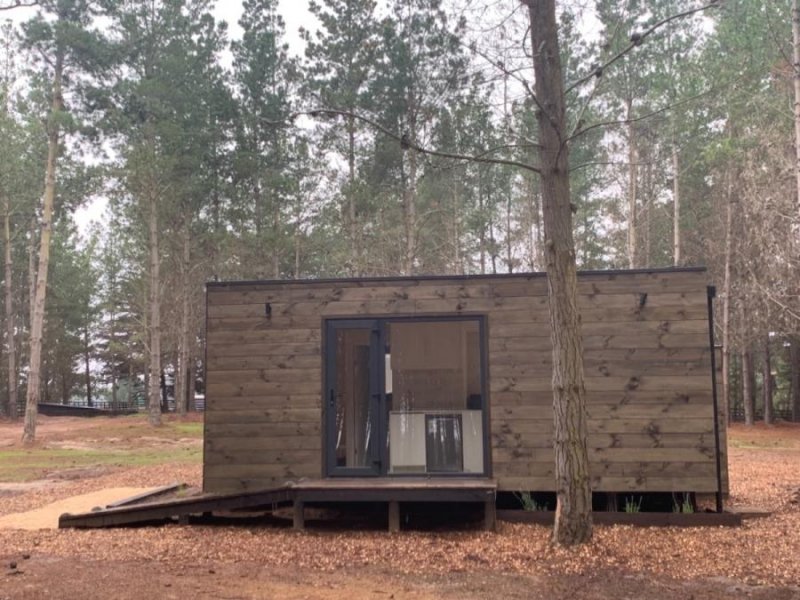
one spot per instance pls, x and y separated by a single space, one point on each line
295 14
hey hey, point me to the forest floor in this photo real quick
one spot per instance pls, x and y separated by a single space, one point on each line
76 457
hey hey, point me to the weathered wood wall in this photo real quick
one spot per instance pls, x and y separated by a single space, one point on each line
647 364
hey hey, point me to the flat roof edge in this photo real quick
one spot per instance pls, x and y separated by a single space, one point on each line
487 276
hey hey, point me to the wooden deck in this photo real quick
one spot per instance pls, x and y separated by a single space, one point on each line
299 494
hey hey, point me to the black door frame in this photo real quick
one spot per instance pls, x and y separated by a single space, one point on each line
379 449
373 469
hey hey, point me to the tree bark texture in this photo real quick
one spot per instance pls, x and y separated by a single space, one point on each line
767 384
726 297
154 322
352 224
748 387
794 366
87 372
11 340
181 369
32 268
410 198
40 293
796 65
633 188
573 519
676 206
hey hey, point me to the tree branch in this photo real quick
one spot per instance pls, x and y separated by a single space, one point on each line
19 4
636 40
663 109
404 140
500 65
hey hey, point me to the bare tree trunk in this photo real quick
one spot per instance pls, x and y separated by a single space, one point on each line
633 189
410 203
11 340
458 266
676 206
726 297
37 322
573 519
297 248
648 216
767 384
482 229
32 269
181 381
114 390
276 228
86 365
509 248
352 224
492 240
796 61
154 370
794 366
748 387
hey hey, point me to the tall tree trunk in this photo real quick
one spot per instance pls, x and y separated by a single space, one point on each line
794 367
509 241
676 206
482 225
633 186
32 269
748 387
11 340
796 64
112 327
726 297
352 223
181 381
492 239
410 203
37 322
458 266
573 519
154 370
276 228
297 247
767 384
647 209
86 366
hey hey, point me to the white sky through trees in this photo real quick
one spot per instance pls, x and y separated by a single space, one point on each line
295 14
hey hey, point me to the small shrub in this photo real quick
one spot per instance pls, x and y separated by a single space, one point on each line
684 505
528 502
632 505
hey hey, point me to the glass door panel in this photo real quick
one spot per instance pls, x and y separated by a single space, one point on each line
352 419
434 396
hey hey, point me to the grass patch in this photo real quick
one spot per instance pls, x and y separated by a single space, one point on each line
188 429
136 426
37 463
762 444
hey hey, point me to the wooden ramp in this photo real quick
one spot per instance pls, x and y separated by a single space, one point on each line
299 494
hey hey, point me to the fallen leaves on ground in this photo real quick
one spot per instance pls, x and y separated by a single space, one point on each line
763 551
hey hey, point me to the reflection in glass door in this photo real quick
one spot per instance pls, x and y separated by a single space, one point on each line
406 396
353 398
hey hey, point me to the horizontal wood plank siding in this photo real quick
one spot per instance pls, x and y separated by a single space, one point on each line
647 364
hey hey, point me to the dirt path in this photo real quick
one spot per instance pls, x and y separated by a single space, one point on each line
46 517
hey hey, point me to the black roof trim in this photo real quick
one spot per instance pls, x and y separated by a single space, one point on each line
401 278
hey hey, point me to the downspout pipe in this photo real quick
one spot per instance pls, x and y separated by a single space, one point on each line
712 293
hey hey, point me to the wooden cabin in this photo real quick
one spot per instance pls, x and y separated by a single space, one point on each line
448 379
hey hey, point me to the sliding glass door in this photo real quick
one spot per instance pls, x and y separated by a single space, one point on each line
406 397
354 398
